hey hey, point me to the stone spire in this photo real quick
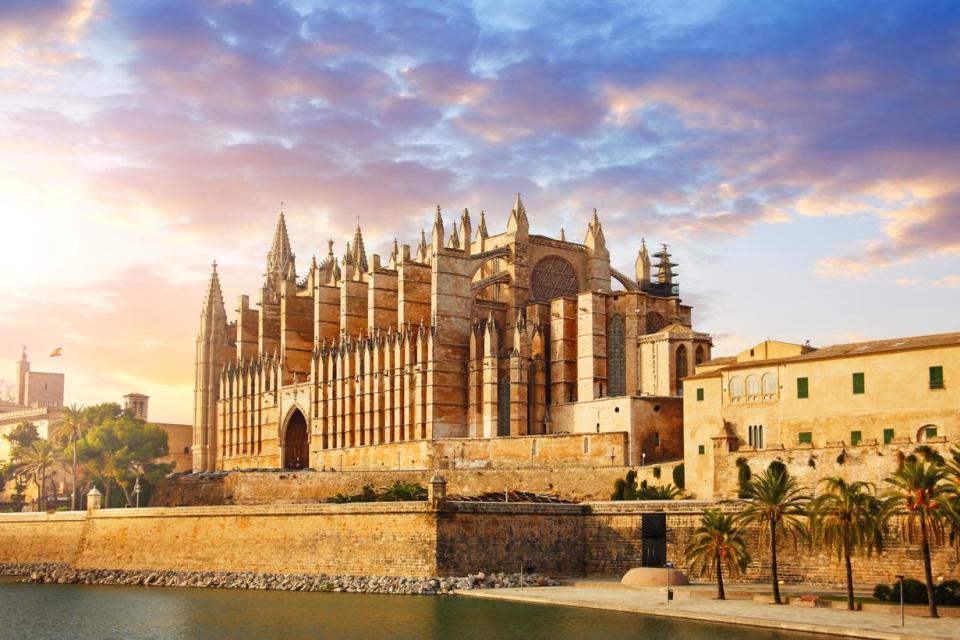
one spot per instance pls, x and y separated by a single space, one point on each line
359 254
422 247
212 349
482 227
213 300
466 230
595 242
438 230
394 255
454 241
281 256
518 217
643 264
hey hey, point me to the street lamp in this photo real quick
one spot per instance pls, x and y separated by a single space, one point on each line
900 580
669 566
136 490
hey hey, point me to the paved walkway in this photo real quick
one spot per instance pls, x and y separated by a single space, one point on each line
839 622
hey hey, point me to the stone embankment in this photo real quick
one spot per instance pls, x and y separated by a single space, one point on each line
64 574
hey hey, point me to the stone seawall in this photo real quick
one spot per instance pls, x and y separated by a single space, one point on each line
413 540
269 487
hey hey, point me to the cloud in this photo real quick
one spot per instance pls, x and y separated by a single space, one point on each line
191 121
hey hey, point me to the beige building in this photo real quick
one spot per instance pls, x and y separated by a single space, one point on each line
179 436
468 336
39 400
819 409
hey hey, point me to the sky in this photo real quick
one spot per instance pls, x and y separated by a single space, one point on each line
801 159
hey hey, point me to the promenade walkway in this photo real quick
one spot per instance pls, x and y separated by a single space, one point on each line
837 622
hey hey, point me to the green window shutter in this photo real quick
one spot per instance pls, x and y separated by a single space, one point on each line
931 432
887 436
701 450
805 437
858 383
936 377
803 387
855 438
700 394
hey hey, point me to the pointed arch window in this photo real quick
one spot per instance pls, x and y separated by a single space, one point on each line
616 354
681 371
503 407
700 356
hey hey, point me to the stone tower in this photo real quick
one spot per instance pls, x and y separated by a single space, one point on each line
23 366
212 352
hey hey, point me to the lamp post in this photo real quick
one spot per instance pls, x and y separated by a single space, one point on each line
900 580
669 566
136 490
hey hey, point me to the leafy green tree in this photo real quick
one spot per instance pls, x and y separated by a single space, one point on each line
922 489
849 518
20 438
777 505
679 478
122 450
35 461
718 541
72 424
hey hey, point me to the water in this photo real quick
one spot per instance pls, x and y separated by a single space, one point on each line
60 612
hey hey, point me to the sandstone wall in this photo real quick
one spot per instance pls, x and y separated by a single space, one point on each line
410 539
868 462
545 538
522 452
613 543
313 486
39 537
371 539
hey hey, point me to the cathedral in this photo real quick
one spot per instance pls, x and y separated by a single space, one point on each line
468 336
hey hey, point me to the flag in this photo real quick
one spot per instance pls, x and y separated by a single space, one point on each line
56 352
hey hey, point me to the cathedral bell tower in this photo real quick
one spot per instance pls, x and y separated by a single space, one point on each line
212 351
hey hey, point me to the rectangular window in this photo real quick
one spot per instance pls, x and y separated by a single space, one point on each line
701 450
858 383
803 388
805 437
931 432
855 438
936 377
700 394
887 436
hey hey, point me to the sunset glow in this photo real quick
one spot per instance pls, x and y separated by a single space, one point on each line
801 159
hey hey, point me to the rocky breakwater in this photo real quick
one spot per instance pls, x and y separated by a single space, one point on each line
63 574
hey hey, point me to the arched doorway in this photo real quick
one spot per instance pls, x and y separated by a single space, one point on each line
296 450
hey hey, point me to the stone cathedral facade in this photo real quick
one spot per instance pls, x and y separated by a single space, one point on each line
469 336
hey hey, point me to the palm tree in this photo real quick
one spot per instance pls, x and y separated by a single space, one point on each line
72 423
848 518
776 504
921 489
35 460
717 542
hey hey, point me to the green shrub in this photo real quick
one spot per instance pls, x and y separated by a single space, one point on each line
668 492
619 488
656 472
678 478
881 592
948 592
914 592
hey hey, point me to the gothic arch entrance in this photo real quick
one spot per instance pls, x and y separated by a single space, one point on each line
296 448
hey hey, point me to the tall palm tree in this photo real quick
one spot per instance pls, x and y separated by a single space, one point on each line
72 424
921 489
715 543
35 460
849 518
777 505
